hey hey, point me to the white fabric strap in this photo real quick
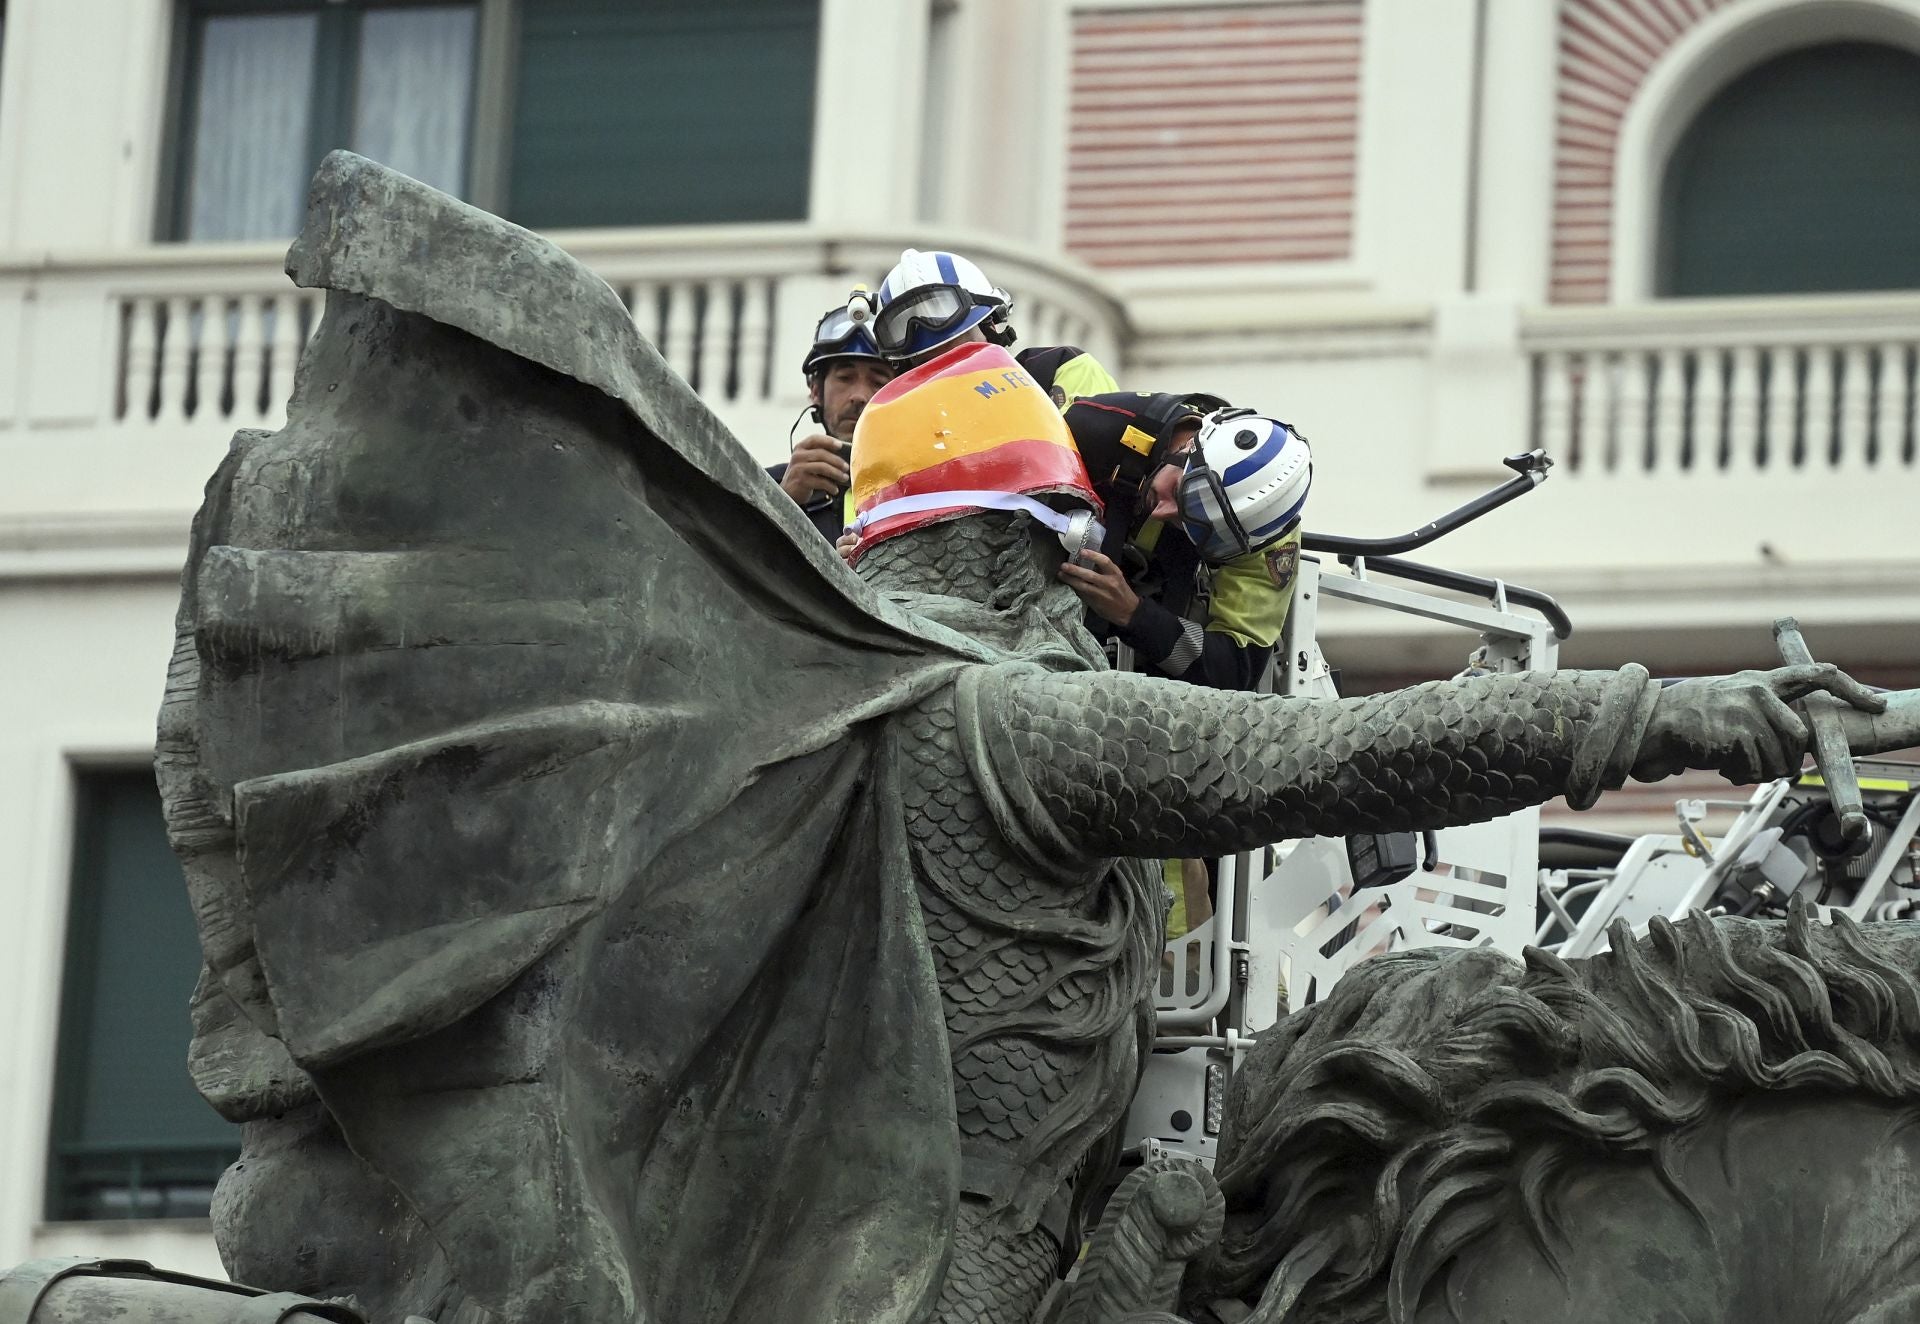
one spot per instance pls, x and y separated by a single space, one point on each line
914 505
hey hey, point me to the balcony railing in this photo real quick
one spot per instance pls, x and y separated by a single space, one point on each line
209 357
1736 387
206 338
1782 416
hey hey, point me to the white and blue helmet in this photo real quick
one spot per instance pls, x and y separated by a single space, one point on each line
930 300
1244 485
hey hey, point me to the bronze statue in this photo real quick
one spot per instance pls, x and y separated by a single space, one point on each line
614 909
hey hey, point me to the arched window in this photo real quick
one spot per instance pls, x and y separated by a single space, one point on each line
1801 175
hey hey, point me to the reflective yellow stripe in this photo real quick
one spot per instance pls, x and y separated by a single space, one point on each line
1172 877
1248 606
1866 783
1083 376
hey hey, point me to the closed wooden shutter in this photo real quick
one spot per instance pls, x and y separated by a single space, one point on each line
1214 133
668 112
1802 175
131 1136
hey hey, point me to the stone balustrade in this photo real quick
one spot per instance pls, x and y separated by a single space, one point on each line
1703 388
177 346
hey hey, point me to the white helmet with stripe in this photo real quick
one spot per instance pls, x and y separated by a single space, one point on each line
929 300
1244 485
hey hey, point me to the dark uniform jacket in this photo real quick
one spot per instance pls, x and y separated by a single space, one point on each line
1206 625
827 513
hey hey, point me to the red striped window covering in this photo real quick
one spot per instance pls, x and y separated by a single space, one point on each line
1606 49
1213 133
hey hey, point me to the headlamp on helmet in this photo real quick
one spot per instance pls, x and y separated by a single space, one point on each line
842 334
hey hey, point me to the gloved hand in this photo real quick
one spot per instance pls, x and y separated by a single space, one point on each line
1740 725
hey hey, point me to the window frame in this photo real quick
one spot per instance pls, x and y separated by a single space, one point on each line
1666 246
1705 58
516 69
490 125
75 986
336 48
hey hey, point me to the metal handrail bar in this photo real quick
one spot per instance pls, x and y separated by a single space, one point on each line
1556 902
1530 470
1753 817
1222 921
1231 1039
1461 582
1876 881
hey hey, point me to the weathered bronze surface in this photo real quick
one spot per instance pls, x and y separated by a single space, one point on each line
1714 1123
616 910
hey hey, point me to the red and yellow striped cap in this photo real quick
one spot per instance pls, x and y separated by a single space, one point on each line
971 421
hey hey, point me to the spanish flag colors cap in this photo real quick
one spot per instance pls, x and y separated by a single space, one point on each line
970 422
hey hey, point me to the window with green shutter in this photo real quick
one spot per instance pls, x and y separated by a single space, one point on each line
1801 175
131 1137
556 113
665 113
271 86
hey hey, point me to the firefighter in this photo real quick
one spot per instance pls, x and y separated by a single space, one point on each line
931 302
843 369
1203 510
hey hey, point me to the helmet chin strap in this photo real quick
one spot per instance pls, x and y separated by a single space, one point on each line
999 325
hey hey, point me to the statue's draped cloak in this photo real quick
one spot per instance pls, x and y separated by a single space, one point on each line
523 750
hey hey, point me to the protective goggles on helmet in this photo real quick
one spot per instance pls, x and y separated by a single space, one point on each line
1206 515
924 318
1256 484
841 334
